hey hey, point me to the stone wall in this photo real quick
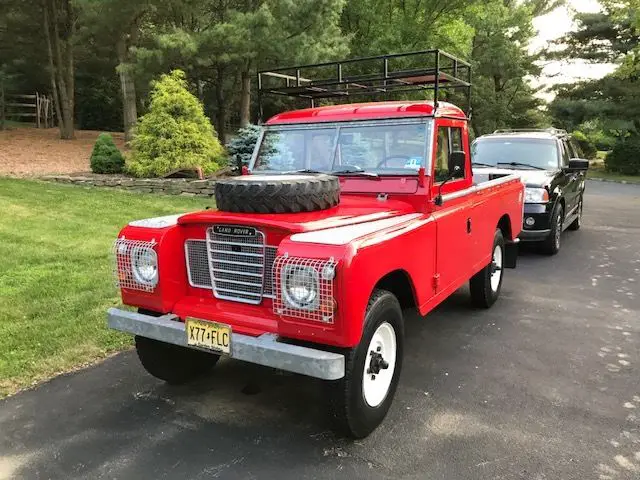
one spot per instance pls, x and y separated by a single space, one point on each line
166 186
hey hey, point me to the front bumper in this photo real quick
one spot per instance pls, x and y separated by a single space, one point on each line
534 235
264 350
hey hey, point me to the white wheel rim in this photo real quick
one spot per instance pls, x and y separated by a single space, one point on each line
376 383
496 268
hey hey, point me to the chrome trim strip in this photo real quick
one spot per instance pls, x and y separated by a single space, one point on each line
478 188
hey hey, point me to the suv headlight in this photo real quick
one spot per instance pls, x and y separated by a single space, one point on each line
536 195
144 265
300 287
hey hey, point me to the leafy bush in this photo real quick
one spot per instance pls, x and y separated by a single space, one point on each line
175 133
588 148
105 157
625 156
241 147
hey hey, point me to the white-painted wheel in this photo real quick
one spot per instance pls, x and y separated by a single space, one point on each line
496 268
380 364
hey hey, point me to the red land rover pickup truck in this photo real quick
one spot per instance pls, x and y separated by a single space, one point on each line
350 214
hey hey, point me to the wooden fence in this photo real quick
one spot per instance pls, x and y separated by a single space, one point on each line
36 109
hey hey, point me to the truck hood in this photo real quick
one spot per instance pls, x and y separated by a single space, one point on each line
351 211
531 178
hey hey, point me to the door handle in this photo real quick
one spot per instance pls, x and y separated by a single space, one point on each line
468 225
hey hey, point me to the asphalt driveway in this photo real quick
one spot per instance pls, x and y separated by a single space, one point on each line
546 385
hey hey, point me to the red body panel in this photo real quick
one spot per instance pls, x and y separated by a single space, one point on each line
438 248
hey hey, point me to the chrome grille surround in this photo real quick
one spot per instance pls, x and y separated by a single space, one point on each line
237 265
324 310
123 250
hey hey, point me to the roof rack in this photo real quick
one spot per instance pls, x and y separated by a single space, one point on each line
552 131
403 72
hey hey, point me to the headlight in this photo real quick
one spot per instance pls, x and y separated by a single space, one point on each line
536 195
144 265
300 287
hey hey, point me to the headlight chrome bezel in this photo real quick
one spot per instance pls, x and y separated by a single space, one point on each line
292 271
536 195
136 254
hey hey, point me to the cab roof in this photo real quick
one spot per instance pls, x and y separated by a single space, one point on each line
368 111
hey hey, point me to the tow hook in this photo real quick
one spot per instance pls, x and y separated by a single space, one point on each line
376 364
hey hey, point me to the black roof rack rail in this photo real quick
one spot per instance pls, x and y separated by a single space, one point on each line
552 131
402 72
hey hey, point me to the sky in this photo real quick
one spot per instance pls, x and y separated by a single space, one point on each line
553 26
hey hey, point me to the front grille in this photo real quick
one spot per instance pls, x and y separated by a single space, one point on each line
237 268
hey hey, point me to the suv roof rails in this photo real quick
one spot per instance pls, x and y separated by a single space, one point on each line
552 131
401 72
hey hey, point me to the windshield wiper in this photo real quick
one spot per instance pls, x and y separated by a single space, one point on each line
518 164
304 170
479 164
360 173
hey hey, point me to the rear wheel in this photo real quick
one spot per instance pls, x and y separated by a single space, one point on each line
361 399
172 363
485 285
577 223
551 246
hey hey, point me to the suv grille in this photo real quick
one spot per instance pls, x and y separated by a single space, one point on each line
235 267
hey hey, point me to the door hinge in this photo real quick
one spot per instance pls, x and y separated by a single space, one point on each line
436 281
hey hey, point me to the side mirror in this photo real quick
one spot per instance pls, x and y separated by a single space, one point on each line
455 172
578 164
457 162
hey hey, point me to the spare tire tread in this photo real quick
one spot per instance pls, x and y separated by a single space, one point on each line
264 194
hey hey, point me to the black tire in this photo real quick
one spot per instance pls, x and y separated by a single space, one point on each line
551 245
577 223
352 414
171 363
277 194
483 293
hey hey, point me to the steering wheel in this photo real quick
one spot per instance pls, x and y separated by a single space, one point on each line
384 161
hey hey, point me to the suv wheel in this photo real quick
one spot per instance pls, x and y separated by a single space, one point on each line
485 285
577 223
551 245
361 399
173 364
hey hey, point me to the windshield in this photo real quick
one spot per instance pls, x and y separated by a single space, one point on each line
537 153
379 147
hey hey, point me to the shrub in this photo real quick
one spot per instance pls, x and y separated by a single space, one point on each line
588 148
105 157
241 147
625 156
175 133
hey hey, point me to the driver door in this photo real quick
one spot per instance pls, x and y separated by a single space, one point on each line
454 224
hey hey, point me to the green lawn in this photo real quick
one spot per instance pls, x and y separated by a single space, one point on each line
56 280
598 171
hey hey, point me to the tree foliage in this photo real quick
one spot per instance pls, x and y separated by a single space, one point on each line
175 133
243 144
625 156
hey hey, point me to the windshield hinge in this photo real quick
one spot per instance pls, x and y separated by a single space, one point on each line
382 197
436 281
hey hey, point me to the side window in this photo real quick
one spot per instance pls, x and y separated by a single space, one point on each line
456 140
565 153
442 155
577 151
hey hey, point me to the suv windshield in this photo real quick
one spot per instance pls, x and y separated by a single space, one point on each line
389 147
516 152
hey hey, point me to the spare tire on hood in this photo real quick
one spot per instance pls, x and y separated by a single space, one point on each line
277 193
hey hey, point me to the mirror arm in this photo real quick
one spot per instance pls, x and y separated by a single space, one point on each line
438 200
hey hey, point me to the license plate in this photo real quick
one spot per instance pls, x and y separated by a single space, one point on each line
209 335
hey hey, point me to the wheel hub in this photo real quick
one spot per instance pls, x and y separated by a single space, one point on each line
377 363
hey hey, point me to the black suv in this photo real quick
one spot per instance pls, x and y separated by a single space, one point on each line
553 170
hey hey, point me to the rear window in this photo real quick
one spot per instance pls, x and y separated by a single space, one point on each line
537 152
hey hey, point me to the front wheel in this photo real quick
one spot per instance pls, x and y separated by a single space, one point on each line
361 399
551 246
485 285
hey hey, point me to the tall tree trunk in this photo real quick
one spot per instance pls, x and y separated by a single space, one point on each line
61 62
128 90
245 97
221 109
52 70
